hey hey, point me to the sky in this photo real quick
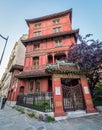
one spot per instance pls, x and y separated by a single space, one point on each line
86 15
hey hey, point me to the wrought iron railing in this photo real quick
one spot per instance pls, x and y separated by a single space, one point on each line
39 101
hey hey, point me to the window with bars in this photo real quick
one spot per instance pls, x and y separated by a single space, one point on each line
36 62
58 29
37 33
21 91
58 42
56 21
37 25
31 86
37 85
36 46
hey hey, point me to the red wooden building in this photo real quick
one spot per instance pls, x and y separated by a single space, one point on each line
45 70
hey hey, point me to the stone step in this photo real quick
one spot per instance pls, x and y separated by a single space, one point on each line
78 113
75 114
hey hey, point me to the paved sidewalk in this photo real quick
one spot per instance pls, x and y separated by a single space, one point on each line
10 119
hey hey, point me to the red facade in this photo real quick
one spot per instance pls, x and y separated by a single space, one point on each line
49 39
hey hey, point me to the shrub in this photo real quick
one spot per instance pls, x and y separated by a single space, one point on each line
97 98
42 105
31 115
50 118
20 110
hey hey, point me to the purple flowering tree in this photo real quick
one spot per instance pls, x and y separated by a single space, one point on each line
87 54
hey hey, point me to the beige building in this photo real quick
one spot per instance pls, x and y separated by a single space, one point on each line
4 83
16 59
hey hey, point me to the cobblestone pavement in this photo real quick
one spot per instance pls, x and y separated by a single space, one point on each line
10 119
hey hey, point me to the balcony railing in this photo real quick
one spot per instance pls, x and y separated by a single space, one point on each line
39 101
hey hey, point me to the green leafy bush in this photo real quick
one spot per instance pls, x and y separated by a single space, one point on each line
43 105
31 115
50 118
97 98
20 110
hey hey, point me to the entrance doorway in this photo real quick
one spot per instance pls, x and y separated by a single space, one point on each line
72 95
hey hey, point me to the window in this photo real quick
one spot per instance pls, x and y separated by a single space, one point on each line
31 86
36 46
56 21
58 42
36 62
21 91
37 85
58 29
37 34
37 25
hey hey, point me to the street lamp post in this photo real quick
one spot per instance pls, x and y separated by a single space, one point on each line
6 39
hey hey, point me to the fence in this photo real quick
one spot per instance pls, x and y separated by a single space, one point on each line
39 101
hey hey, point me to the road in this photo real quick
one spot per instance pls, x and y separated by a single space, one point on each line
11 119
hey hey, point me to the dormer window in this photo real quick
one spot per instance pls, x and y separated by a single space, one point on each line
56 21
37 25
58 29
37 33
58 42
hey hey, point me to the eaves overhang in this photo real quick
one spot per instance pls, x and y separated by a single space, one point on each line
54 35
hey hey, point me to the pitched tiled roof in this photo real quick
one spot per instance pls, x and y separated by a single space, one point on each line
66 33
47 17
24 75
47 72
62 71
16 67
63 68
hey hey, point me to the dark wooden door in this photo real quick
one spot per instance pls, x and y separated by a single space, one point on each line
72 98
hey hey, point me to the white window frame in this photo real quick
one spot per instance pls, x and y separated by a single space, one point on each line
36 46
56 21
37 25
57 29
58 42
36 34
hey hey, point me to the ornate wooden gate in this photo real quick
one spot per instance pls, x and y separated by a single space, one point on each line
72 98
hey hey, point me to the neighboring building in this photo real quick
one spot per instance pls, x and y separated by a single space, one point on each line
4 83
16 61
46 72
